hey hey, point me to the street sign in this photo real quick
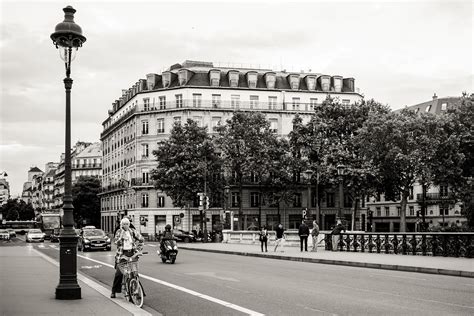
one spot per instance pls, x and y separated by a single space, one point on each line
304 213
177 220
181 215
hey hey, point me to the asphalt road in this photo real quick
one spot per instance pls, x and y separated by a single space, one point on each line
202 283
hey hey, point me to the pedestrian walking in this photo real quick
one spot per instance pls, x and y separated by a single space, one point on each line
335 234
264 238
315 234
280 233
303 232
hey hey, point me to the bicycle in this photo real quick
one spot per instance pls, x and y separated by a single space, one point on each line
131 286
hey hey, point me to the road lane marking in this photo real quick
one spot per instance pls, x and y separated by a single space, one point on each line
131 308
213 275
183 289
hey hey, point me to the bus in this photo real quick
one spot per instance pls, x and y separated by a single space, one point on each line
49 222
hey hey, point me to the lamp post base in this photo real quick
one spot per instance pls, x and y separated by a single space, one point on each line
68 292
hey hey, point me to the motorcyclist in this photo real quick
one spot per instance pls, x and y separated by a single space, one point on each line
167 235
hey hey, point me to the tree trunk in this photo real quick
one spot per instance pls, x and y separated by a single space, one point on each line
403 211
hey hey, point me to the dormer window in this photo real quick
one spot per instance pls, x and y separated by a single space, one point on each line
337 83
183 76
150 81
252 79
166 79
311 82
294 81
233 78
270 79
215 77
325 82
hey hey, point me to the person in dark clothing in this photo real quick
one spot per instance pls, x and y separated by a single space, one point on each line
279 237
335 234
303 232
167 235
264 238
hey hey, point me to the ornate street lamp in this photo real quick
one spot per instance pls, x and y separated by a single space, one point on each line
68 38
341 170
308 175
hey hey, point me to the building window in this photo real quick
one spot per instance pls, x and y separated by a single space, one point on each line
252 80
233 79
387 211
294 82
198 120
444 106
444 211
162 102
254 101
215 122
144 150
297 200
179 101
296 104
145 176
197 97
160 201
216 100
254 199
412 211
160 125
272 103
443 190
428 108
235 101
235 199
274 125
215 76
177 120
146 104
144 199
325 83
399 211
144 127
330 201
270 79
347 200
410 195
294 221
378 212
253 177
312 103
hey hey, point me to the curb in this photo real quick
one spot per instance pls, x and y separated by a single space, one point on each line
371 265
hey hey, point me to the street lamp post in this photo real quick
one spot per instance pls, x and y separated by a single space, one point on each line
226 206
341 170
68 38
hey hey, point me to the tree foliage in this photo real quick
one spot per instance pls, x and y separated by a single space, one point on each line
86 201
17 209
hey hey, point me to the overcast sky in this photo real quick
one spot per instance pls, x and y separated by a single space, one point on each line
399 53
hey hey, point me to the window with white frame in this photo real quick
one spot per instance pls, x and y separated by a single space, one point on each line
144 150
146 104
144 199
177 120
235 197
197 97
387 211
215 122
216 100
145 176
160 123
144 127
254 101
233 79
274 125
312 103
272 103
215 76
444 106
235 101
252 80
295 104
254 199
162 102
270 79
160 201
412 210
179 100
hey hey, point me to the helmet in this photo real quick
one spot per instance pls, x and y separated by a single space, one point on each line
168 227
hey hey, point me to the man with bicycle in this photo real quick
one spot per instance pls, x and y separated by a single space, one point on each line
129 241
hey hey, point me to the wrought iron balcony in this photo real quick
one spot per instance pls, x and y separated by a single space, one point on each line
436 198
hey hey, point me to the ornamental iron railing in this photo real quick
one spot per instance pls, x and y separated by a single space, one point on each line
426 244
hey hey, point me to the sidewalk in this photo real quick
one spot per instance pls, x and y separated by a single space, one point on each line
424 264
28 281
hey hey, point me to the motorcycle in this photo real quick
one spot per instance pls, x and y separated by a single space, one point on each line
168 250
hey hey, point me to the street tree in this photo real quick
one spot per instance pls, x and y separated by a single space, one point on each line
17 209
245 142
86 202
187 164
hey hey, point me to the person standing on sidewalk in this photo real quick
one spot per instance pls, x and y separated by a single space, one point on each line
335 234
303 232
315 234
128 241
279 237
264 238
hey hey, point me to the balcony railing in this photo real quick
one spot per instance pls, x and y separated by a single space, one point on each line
87 166
434 198
432 244
138 182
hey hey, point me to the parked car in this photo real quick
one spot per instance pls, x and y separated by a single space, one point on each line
35 235
182 235
91 239
12 232
4 234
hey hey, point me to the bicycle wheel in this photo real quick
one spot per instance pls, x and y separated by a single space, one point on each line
136 292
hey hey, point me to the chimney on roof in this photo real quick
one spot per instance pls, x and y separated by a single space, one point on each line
435 96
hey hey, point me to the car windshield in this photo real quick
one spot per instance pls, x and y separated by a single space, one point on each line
94 232
35 231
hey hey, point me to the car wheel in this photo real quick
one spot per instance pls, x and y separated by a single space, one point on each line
163 260
186 239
